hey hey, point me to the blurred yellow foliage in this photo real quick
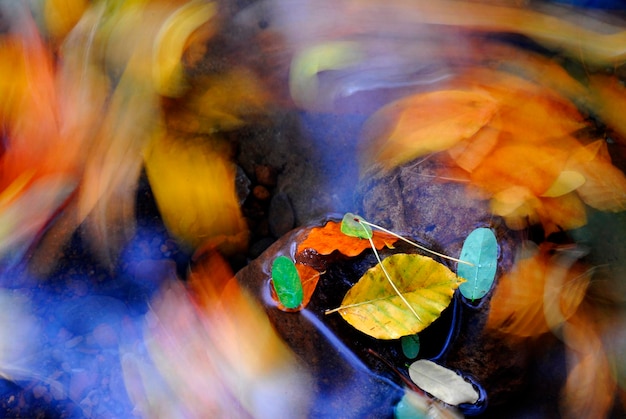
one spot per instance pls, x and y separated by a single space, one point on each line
193 182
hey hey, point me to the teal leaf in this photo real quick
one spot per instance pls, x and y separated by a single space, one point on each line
410 345
287 282
352 226
481 250
407 410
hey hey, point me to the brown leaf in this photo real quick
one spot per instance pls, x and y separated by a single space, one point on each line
325 240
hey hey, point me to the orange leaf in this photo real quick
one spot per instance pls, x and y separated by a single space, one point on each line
590 387
538 294
529 165
536 115
609 99
309 278
605 184
566 211
327 239
426 123
469 153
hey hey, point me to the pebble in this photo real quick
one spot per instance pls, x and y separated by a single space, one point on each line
265 175
261 193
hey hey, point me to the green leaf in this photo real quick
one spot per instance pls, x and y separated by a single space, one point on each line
444 384
481 250
373 306
287 282
352 226
410 345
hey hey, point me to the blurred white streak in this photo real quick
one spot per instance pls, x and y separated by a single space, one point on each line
314 21
19 331
407 43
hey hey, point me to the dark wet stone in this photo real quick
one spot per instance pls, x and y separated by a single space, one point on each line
265 175
281 217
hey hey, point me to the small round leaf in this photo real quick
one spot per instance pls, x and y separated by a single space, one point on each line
352 226
481 250
410 345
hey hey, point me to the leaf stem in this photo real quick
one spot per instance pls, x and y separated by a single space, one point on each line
414 244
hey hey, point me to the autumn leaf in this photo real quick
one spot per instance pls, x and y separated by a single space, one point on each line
306 64
170 42
61 16
590 386
329 238
470 152
609 100
426 123
565 212
194 210
529 165
566 182
538 294
221 102
373 306
605 185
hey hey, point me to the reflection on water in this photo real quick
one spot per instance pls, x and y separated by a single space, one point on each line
124 124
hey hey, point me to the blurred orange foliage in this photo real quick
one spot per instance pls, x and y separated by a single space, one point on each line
540 293
522 148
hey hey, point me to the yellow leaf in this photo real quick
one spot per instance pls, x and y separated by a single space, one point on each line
61 15
221 103
567 181
313 60
426 123
193 184
169 45
373 307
